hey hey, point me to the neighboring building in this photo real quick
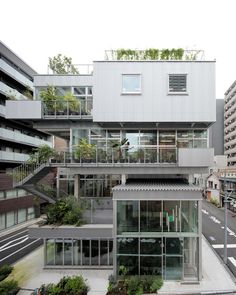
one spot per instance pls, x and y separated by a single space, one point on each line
229 125
216 131
213 188
148 125
16 139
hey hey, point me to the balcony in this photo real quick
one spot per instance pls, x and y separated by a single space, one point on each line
5 67
13 157
58 109
11 93
15 136
137 157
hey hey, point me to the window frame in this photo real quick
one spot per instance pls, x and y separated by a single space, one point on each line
123 92
177 92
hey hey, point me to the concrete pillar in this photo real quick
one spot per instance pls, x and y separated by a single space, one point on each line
123 178
77 186
190 179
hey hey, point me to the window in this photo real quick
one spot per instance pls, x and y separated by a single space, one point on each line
177 83
131 84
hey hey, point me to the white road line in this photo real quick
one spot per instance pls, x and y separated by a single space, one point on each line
221 246
212 238
3 246
205 211
232 259
214 219
19 250
22 241
13 236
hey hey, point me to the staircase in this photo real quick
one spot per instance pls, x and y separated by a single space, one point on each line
27 176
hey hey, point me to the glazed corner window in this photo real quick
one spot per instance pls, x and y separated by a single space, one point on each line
177 83
131 84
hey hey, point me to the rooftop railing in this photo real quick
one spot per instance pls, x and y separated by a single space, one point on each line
154 54
82 69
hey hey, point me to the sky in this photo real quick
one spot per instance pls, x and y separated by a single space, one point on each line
83 29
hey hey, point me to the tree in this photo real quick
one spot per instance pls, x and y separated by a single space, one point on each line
61 64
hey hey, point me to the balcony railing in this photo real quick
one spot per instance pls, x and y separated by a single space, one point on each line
67 109
141 155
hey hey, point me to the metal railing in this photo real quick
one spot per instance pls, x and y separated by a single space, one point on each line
141 155
21 173
67 109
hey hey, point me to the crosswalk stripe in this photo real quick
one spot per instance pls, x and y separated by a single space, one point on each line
221 246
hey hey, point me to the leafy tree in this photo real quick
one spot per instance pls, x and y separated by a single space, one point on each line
61 64
41 154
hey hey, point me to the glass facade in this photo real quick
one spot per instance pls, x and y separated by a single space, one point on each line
152 238
74 252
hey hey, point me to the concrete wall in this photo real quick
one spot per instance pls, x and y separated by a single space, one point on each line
196 157
23 109
216 132
63 80
154 104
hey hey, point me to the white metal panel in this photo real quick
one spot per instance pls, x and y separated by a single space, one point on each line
196 157
154 104
63 80
23 109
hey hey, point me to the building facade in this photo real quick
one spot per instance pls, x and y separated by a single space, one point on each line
229 125
136 136
17 139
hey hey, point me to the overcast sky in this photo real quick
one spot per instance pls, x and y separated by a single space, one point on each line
84 29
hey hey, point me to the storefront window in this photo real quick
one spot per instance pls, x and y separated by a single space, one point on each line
50 252
127 217
151 246
10 218
150 216
21 215
171 216
127 246
130 262
59 252
68 252
77 252
2 221
189 216
150 265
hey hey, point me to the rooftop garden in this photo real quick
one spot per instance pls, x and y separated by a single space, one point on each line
154 54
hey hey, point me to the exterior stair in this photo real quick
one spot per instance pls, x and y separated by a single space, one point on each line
28 176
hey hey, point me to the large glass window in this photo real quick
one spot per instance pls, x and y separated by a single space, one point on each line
185 139
77 252
94 252
2 221
171 216
50 252
11 194
200 138
103 252
86 252
127 246
10 218
150 216
21 215
127 217
130 262
30 213
151 265
59 252
151 246
189 216
174 268
131 84
174 246
68 252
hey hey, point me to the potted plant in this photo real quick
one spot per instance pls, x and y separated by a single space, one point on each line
85 152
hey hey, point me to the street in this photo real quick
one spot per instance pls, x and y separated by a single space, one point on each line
16 245
213 230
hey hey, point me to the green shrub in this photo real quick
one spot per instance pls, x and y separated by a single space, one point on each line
5 270
156 285
9 287
215 202
134 286
75 285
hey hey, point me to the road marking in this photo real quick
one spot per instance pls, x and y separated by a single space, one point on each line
221 246
22 241
232 259
4 246
13 236
19 250
214 219
212 238
205 211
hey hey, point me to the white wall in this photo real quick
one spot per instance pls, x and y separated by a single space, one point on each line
154 104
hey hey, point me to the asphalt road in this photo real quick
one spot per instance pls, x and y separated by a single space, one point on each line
16 245
213 229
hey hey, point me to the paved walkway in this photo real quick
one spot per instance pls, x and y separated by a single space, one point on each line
29 273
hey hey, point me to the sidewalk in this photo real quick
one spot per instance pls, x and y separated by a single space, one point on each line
30 274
